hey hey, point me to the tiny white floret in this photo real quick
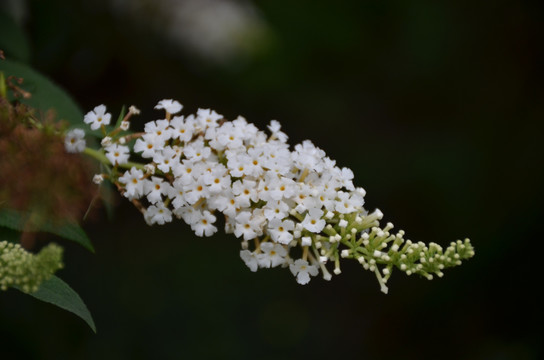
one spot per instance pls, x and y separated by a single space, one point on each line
74 141
302 270
170 106
98 179
97 117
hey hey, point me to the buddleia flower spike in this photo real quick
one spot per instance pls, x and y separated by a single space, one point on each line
289 208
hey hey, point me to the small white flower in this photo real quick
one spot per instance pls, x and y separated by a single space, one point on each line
256 161
117 154
148 145
134 185
155 188
272 255
97 117
281 231
182 128
282 188
204 226
177 194
149 169
207 118
247 226
313 222
106 141
308 156
346 178
170 106
158 214
196 151
160 128
165 159
250 259
274 128
217 180
98 179
276 210
237 163
245 192
134 110
196 190
302 270
346 202
225 137
304 198
187 171
224 202
74 141
124 125
189 214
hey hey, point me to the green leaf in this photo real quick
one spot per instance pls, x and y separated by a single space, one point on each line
45 93
121 117
59 293
71 231
19 221
13 40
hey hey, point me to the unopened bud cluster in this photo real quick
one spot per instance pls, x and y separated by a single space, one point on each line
293 209
24 270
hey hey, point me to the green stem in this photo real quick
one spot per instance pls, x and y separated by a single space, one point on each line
101 157
97 155
3 87
130 165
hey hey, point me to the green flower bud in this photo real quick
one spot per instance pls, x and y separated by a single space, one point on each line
24 270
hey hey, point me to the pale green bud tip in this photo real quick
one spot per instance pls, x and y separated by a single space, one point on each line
25 270
306 241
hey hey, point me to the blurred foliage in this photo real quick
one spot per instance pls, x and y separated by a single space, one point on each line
29 136
436 106
18 221
45 95
13 42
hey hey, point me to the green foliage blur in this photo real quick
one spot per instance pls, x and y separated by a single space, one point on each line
436 106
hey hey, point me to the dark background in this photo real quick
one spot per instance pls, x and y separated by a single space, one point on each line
436 106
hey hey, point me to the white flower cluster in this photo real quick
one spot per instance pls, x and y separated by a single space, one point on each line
296 206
